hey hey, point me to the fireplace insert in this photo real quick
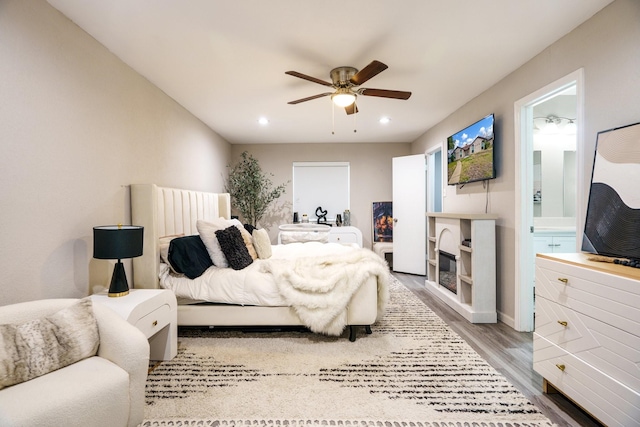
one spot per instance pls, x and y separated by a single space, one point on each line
447 271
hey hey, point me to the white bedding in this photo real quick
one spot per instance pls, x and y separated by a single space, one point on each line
251 285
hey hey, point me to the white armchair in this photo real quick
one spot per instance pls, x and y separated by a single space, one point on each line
103 390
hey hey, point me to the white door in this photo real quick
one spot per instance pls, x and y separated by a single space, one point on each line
409 214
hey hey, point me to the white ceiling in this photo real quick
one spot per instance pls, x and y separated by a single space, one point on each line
224 61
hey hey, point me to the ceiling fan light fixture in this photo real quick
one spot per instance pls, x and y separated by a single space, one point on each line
343 98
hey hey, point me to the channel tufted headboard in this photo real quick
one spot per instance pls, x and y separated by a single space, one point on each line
167 211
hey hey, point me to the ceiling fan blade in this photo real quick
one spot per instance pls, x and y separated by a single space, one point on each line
383 93
311 79
371 70
298 101
351 109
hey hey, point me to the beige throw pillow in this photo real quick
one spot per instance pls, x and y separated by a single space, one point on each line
37 347
246 236
262 243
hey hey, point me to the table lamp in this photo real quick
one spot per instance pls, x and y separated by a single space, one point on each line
117 242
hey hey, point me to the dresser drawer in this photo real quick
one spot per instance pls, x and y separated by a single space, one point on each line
343 238
151 323
611 299
605 398
610 350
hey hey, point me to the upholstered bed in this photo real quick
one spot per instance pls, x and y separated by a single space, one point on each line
167 212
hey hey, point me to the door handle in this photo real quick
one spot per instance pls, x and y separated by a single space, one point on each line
395 219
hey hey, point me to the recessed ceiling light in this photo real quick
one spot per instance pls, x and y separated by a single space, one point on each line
385 120
263 121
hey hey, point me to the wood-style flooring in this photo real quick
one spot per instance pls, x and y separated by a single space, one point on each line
508 351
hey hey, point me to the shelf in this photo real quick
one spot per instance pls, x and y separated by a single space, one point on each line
466 279
475 276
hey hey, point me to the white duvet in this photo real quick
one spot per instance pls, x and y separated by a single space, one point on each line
252 285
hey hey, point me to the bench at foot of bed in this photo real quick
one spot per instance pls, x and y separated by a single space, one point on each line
352 331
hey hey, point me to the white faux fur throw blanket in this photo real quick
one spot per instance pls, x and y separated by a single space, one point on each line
320 288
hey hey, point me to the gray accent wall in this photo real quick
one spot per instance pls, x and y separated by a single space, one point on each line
607 47
77 126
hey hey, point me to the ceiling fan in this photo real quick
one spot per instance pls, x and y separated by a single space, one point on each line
345 81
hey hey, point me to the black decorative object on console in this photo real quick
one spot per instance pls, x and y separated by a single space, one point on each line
322 215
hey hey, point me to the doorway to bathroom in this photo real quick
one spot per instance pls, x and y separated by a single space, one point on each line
548 202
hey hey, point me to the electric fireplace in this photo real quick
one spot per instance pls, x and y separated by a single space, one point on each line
447 271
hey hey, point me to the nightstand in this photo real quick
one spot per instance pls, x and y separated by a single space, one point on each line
154 312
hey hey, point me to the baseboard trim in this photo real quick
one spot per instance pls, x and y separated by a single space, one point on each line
507 320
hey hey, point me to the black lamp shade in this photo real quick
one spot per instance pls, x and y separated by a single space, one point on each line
117 241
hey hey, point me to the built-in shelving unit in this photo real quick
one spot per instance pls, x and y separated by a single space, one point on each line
470 240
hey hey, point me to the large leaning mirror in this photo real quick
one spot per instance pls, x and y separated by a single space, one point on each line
320 184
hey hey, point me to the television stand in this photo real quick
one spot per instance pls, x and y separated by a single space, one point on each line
475 270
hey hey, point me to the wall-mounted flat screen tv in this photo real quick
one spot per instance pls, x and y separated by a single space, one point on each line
612 225
470 154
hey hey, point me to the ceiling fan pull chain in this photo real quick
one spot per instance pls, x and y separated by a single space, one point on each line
333 119
355 118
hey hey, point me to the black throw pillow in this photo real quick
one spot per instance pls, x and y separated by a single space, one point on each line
189 256
249 228
234 248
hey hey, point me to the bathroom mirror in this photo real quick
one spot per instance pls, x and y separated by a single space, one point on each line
554 181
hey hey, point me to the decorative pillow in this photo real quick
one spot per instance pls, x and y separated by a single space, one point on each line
234 248
262 243
189 256
207 230
37 347
249 228
163 244
246 236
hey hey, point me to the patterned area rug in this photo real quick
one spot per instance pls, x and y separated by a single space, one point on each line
412 371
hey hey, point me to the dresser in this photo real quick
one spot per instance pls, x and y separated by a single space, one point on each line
586 343
346 235
309 232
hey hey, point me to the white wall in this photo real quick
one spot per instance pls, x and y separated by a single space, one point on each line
77 126
371 179
608 48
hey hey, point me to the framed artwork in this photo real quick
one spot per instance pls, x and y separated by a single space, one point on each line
382 222
612 223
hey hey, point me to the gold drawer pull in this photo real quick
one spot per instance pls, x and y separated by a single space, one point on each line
562 322
561 367
155 323
563 280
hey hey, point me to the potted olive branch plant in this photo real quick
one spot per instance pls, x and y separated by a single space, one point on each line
251 189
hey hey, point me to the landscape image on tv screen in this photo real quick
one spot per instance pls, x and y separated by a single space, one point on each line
470 153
